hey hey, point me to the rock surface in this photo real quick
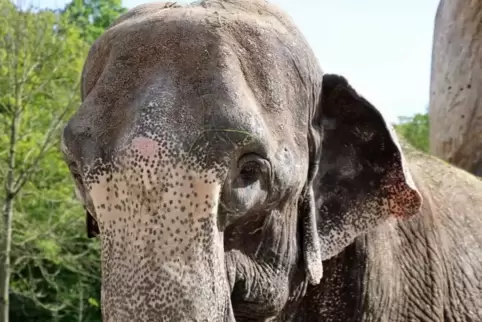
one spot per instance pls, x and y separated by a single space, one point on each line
456 84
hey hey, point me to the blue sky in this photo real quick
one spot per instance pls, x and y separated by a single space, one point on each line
382 47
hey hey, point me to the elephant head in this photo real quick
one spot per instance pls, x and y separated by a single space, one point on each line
218 165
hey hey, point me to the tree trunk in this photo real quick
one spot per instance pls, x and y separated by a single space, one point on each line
5 257
10 193
455 110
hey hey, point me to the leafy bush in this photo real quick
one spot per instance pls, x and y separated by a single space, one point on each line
415 129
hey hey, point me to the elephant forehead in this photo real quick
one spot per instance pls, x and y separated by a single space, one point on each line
184 72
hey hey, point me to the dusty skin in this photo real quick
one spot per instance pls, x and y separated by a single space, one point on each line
229 179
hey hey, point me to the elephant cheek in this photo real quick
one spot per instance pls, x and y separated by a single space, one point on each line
162 251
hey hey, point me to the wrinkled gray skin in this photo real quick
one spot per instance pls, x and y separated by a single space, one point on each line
220 167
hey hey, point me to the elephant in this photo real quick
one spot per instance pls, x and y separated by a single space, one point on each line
229 178
455 109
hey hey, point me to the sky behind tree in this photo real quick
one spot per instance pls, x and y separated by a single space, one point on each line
382 47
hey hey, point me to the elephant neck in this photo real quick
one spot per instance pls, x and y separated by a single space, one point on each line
362 283
383 275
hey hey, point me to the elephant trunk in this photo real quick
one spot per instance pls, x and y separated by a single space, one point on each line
162 249
187 284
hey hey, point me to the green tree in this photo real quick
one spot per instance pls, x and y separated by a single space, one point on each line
415 129
92 17
48 269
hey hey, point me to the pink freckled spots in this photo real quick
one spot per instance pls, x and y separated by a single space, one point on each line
145 146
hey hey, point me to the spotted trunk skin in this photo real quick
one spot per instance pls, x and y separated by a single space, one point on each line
162 253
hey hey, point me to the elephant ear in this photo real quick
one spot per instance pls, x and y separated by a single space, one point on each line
358 175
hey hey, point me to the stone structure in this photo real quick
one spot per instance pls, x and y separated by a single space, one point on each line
456 84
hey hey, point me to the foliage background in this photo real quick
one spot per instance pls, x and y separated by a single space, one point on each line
55 267
415 129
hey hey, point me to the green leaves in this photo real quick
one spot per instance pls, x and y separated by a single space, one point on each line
93 302
55 273
416 130
92 17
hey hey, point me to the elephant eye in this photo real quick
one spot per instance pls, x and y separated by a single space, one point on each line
252 168
248 185
250 172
